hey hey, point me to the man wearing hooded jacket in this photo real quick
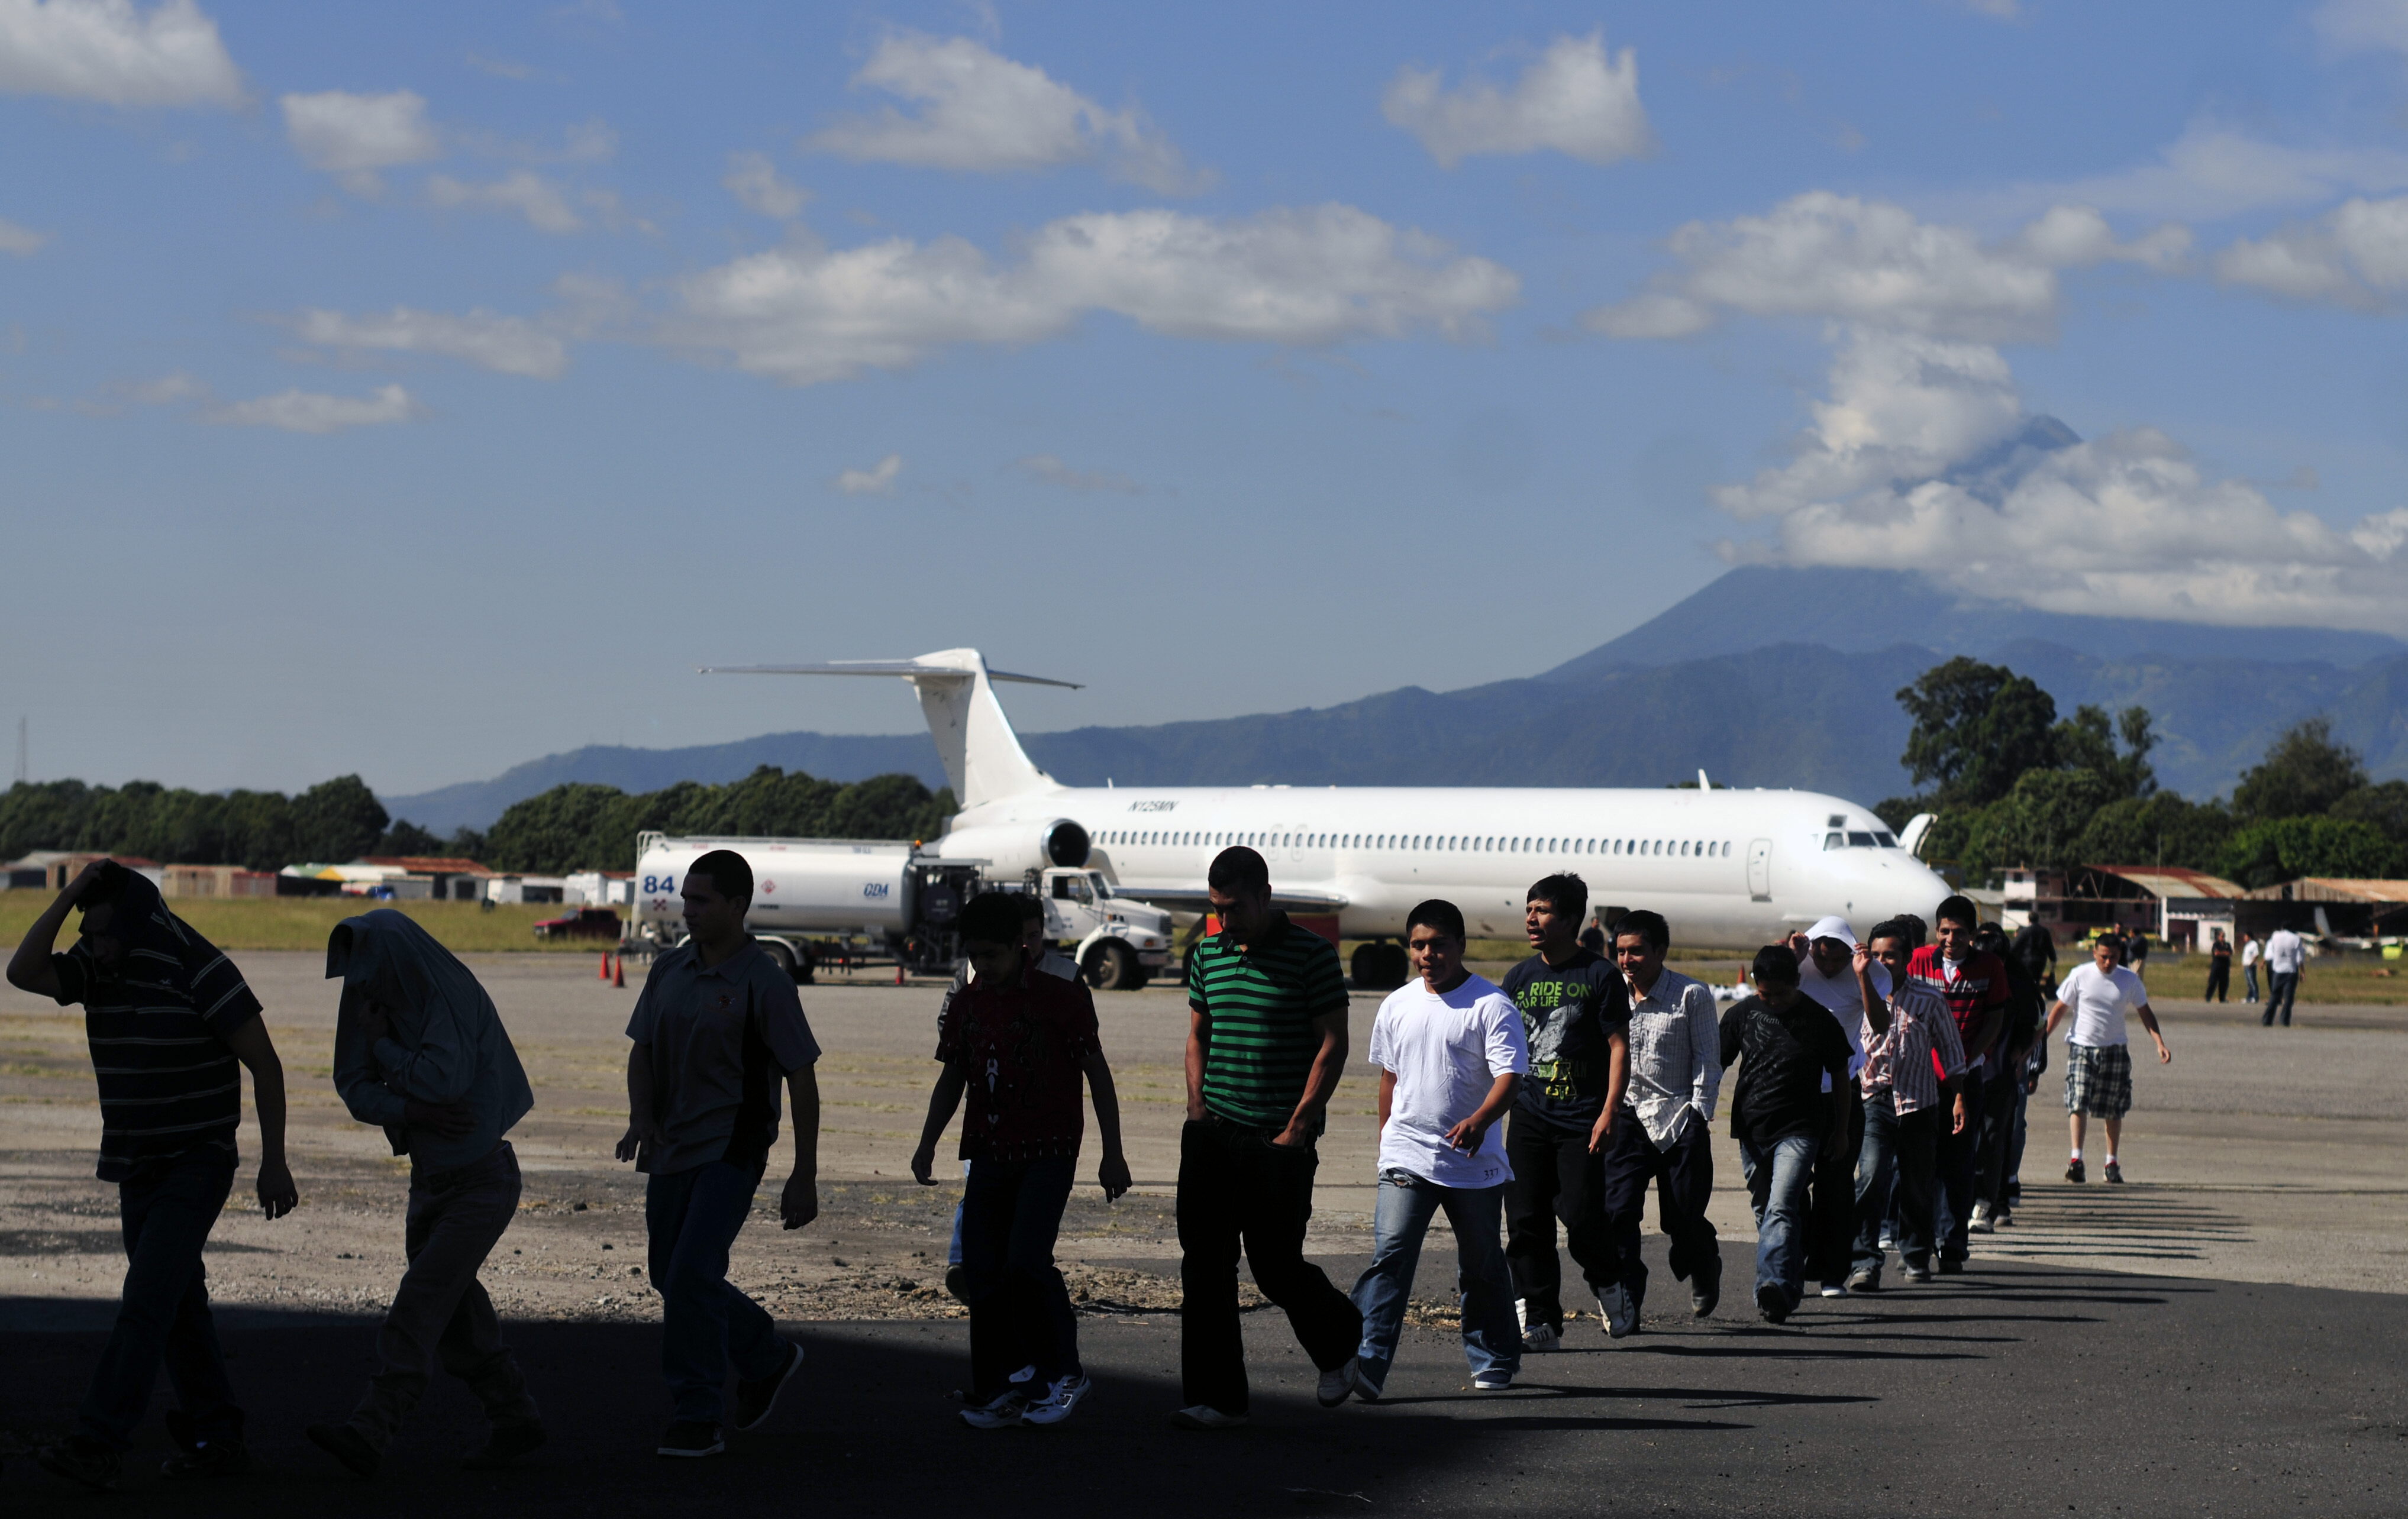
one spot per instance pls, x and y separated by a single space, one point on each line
420 1051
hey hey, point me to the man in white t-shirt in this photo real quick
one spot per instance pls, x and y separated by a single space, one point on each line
2286 956
1450 1053
1827 974
2097 1060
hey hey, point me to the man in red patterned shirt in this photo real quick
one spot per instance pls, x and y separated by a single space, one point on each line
1973 983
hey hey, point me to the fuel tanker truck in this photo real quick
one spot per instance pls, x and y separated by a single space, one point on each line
850 899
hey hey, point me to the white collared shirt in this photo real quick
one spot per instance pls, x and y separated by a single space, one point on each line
1676 1065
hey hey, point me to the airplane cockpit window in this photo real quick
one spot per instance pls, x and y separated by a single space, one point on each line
1860 840
1835 840
1886 841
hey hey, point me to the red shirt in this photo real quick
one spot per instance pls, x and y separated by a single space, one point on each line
1979 986
1022 1049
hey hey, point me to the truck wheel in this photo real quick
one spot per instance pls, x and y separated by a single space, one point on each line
780 956
1378 969
1114 967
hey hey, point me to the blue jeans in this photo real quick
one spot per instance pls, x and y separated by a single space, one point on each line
1492 1341
2249 978
167 1208
1896 1166
692 1217
2283 991
1020 1311
1777 1180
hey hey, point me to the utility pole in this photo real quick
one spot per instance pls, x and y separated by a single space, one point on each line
23 774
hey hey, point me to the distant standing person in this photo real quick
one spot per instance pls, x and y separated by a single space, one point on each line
716 1032
2287 958
2219 968
2138 953
1575 1011
2097 1059
2251 953
2036 947
170 1021
1449 1049
1265 1047
1783 1114
420 1051
1661 1137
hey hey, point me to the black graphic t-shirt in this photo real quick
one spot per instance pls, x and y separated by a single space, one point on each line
1569 1014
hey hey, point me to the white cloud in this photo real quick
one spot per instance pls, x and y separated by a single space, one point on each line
1836 256
2363 25
803 314
353 135
308 411
2355 255
505 345
2212 172
21 240
878 480
983 113
167 390
1922 457
1579 98
109 52
522 192
1052 471
756 182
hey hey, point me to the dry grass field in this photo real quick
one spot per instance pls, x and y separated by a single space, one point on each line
303 923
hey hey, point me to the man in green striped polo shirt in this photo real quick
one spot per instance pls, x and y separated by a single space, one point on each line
1266 1045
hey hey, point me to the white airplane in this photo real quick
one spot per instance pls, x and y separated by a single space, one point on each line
1727 867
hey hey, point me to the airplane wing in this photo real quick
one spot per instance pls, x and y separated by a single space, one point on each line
883 666
1194 900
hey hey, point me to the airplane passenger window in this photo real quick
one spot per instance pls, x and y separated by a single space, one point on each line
1860 840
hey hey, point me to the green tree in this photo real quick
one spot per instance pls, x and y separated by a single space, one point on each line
2303 773
1977 729
2086 742
337 820
587 828
2383 807
408 838
2164 828
2274 849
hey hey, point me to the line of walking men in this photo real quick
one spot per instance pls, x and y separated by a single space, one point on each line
1560 1096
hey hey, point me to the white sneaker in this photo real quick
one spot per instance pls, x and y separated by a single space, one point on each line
1337 1383
1061 1396
1541 1339
2003 1217
1492 1382
1980 1223
1001 1414
1205 1416
1835 1289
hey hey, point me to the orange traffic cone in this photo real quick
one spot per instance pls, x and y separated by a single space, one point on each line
619 978
606 964
898 972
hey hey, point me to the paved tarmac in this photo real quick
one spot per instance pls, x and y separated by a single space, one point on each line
2246 1359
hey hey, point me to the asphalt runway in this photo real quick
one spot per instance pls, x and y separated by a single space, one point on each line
2221 1337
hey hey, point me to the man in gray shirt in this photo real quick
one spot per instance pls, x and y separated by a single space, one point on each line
420 1051
716 1030
1667 1109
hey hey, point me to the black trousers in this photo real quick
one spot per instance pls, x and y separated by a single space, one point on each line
1683 1173
2219 979
1997 1110
1959 1165
1831 1216
1237 1189
1555 1177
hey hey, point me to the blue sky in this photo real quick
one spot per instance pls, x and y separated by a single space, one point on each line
415 390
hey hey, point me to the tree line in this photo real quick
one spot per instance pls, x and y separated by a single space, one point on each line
570 827
2014 784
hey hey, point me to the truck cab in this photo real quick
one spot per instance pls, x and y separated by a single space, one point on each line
1119 943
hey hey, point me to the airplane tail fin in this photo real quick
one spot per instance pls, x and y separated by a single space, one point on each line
982 756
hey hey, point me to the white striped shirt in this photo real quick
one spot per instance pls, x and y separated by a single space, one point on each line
1900 1058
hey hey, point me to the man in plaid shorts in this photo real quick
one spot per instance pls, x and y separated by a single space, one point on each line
2097 1060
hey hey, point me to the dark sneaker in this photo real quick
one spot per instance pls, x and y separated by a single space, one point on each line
1621 1313
505 1445
207 1458
756 1396
1493 1379
958 1282
2114 1173
2073 1171
690 1439
1337 1385
347 1445
1772 1302
80 1458
1705 1292
1917 1275
1949 1268
1864 1279
1205 1416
